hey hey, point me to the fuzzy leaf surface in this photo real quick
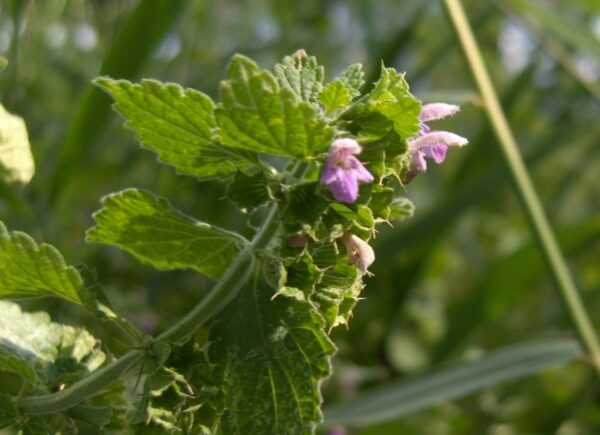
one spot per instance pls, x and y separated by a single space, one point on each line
175 123
302 75
335 96
28 269
155 233
259 115
270 356
388 107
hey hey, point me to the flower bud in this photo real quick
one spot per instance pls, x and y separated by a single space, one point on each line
359 252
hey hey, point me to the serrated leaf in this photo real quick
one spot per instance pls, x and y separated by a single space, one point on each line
250 190
334 97
301 74
270 356
157 234
391 98
16 160
60 354
353 79
28 269
177 124
258 115
389 106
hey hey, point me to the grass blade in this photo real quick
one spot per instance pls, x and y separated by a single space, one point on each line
407 397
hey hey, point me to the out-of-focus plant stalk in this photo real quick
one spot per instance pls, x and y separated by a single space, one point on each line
533 206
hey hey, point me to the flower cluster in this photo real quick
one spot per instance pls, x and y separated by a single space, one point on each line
432 144
343 172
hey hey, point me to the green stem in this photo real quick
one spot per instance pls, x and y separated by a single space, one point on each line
532 204
225 290
81 390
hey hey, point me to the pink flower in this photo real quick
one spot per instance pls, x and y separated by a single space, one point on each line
343 172
432 144
359 252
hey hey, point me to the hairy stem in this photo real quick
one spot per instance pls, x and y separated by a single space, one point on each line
226 289
527 193
81 390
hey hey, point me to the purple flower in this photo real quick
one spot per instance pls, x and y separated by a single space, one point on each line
343 172
432 144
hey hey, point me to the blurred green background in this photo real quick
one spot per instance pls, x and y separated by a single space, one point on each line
461 277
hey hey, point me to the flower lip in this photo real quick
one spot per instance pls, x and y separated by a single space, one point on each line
438 138
435 111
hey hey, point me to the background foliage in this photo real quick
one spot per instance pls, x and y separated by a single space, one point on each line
461 277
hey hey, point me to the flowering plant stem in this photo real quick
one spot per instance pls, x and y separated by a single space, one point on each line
225 290
533 207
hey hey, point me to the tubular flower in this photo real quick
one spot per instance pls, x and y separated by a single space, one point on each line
343 172
359 252
432 144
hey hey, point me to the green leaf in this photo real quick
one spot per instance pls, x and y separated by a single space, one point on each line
60 354
157 234
301 74
175 123
391 98
407 397
16 161
28 269
353 79
388 106
270 356
3 63
14 364
250 191
259 116
335 96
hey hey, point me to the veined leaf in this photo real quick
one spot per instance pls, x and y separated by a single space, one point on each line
259 116
407 397
155 233
28 269
335 96
59 354
175 123
353 79
301 74
392 99
270 356
16 161
389 106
